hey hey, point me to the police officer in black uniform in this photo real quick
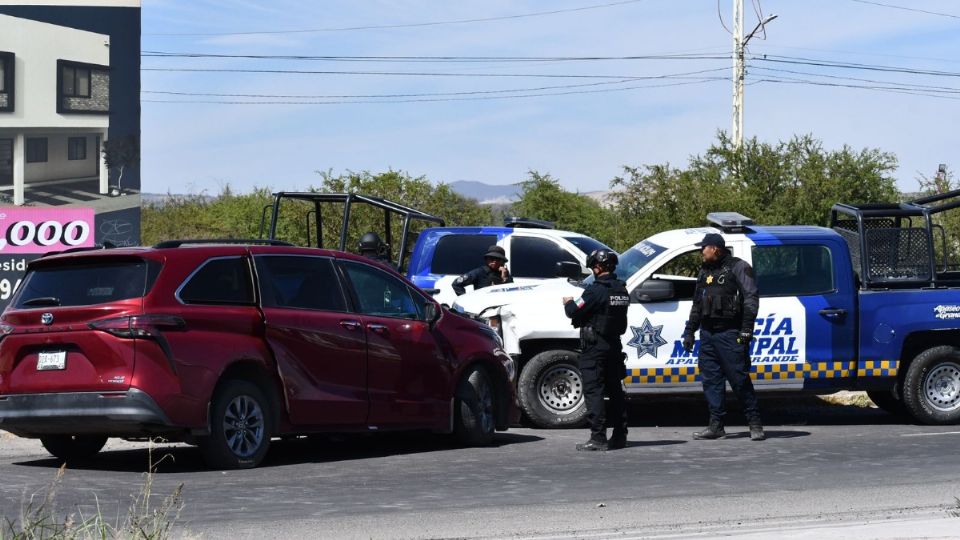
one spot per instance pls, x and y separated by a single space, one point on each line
371 246
601 315
493 272
725 305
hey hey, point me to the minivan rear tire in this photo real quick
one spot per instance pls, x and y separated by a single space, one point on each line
73 448
241 424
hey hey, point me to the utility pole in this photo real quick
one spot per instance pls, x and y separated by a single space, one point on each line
738 73
739 70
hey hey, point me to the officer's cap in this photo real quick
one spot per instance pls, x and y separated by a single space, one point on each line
712 239
495 252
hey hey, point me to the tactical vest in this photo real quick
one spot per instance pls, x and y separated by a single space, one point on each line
721 294
611 319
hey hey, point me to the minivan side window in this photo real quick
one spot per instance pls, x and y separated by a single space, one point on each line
793 270
224 280
532 257
457 254
294 281
378 293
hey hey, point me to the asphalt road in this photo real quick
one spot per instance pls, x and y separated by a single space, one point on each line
825 470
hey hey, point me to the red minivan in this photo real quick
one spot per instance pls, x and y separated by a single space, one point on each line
226 344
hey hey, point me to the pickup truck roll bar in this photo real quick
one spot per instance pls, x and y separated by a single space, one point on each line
888 249
348 200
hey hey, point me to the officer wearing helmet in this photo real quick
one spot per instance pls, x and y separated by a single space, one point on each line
373 247
493 272
725 306
601 315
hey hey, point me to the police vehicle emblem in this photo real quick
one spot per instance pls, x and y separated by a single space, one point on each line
47 318
709 280
646 339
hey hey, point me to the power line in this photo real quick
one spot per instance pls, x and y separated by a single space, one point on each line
395 73
439 59
904 8
947 89
393 26
702 80
686 75
851 65
892 89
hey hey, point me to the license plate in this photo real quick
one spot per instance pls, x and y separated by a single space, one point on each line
52 360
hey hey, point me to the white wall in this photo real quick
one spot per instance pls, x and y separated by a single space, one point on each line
57 166
37 47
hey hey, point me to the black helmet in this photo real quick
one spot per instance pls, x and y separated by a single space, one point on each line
605 258
371 242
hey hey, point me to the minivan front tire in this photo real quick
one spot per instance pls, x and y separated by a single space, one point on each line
241 425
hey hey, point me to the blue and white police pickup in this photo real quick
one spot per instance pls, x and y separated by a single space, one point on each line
865 304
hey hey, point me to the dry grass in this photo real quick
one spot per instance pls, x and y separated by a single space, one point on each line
41 519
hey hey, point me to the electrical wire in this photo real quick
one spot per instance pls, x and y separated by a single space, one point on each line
850 65
685 75
947 89
904 8
395 73
702 80
439 59
891 89
394 26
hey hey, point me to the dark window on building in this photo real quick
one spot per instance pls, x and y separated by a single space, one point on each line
76 81
381 294
793 270
37 150
459 253
3 74
289 281
532 257
220 281
77 148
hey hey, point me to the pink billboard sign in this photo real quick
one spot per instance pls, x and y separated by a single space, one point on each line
39 230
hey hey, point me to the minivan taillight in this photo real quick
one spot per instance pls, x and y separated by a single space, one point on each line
139 326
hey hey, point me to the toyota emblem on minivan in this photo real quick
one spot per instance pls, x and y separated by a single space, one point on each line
47 318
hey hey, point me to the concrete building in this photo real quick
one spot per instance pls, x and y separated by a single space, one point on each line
54 105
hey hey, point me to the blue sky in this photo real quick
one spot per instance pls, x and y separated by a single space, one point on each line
583 139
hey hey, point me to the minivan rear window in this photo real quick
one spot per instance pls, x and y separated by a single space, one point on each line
85 283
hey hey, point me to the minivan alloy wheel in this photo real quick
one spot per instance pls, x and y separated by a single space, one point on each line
243 426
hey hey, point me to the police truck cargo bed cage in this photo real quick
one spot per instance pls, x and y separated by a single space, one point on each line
314 217
897 245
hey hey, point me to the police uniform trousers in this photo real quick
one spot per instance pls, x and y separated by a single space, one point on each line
603 370
722 359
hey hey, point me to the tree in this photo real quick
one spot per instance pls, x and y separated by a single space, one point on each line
792 182
542 197
119 154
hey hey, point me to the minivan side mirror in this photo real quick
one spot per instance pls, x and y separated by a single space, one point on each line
569 270
653 290
432 312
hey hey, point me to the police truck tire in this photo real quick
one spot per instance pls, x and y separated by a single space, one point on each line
551 390
241 424
474 415
887 401
73 448
931 387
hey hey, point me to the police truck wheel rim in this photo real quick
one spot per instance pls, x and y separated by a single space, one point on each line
243 426
560 389
941 387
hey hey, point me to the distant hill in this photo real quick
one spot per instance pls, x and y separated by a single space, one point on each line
486 193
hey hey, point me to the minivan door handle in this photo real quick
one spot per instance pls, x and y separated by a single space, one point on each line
377 328
350 325
833 313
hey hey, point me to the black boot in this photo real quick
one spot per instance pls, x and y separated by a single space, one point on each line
618 440
756 431
595 444
713 431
